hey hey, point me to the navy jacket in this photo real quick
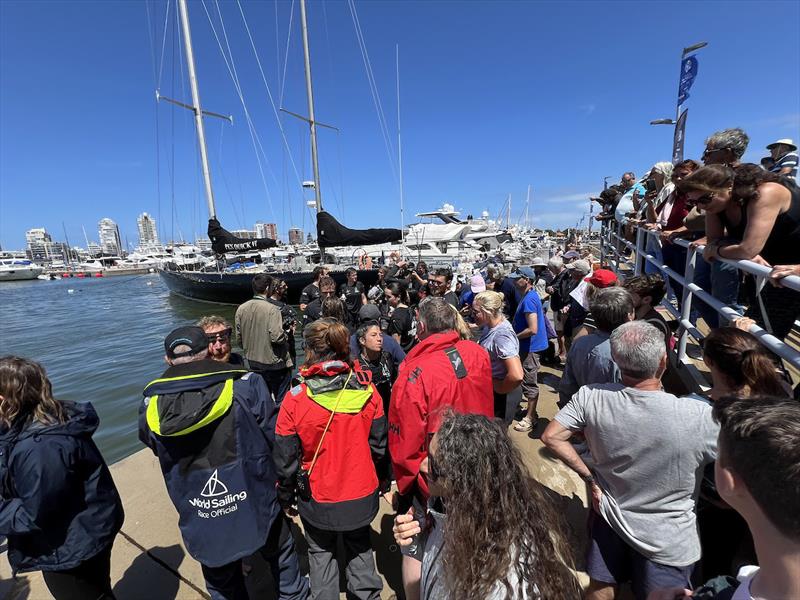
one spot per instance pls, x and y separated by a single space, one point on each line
212 426
58 504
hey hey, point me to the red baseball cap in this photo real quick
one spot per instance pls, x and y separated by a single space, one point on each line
602 278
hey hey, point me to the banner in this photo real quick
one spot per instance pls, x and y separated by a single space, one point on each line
688 73
677 141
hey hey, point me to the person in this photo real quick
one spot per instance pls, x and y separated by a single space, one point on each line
369 313
559 291
259 327
333 308
500 341
213 430
531 331
476 285
330 435
313 311
784 156
59 508
659 191
219 331
726 147
758 477
581 319
589 360
642 524
647 292
496 276
402 326
543 278
483 542
441 371
754 215
312 291
373 358
277 296
625 206
352 294
574 311
440 282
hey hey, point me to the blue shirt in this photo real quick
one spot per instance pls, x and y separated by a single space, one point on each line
531 304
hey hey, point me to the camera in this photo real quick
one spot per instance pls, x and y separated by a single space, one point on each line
650 186
303 486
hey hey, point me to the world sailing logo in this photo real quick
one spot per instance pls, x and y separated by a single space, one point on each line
214 487
215 500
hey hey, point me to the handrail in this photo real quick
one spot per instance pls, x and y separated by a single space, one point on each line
612 244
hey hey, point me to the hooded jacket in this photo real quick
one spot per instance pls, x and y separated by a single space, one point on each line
213 429
58 504
344 480
441 371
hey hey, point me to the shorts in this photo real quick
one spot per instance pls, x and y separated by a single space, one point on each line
530 372
559 320
611 560
417 546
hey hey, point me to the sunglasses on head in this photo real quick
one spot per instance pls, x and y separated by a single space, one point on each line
220 336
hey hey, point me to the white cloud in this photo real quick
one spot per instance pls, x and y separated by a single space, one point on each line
569 197
587 109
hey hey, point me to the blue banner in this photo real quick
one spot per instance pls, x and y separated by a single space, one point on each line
688 74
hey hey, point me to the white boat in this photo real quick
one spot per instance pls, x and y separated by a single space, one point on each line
18 269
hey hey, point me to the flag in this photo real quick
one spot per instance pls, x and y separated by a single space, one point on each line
680 134
688 73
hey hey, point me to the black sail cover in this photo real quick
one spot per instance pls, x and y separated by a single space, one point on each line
332 233
223 241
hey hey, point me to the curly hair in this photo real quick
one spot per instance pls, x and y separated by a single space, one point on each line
27 393
499 520
743 181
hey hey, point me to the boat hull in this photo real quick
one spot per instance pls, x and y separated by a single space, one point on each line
21 273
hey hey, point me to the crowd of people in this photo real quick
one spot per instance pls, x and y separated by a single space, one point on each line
405 391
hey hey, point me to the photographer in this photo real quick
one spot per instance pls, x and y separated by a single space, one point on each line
277 296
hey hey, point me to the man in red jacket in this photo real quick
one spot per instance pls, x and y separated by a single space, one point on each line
441 372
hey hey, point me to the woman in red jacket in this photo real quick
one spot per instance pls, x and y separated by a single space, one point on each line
331 434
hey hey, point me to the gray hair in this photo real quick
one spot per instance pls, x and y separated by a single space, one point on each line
214 321
735 140
182 360
665 168
555 263
611 307
437 315
637 348
495 272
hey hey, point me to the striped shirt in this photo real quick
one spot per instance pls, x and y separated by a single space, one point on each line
788 160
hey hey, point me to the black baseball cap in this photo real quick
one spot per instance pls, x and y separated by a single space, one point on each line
191 336
369 312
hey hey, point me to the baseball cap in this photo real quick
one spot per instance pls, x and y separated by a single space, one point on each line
580 265
369 312
571 254
538 261
191 336
477 284
525 272
602 278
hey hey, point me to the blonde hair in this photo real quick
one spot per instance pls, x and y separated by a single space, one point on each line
490 303
461 325
27 393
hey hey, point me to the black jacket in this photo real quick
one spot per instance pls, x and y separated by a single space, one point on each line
58 504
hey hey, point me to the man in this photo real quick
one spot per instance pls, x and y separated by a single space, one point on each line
312 290
647 292
784 157
559 290
649 448
504 285
370 312
259 326
625 204
277 296
352 294
575 313
589 359
440 282
313 311
756 474
218 331
543 277
213 429
441 372
531 331
725 147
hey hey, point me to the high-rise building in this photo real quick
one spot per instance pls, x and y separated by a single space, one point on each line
39 245
267 230
110 242
244 233
309 238
148 233
295 235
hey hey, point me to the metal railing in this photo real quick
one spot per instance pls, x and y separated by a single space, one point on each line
612 252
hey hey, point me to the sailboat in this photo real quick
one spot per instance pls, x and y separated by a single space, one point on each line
215 284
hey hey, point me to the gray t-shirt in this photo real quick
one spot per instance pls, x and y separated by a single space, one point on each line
649 450
589 361
501 343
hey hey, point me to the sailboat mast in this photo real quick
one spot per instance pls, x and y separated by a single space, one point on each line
198 113
527 204
311 120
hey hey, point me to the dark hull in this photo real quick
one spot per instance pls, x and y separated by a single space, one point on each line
235 288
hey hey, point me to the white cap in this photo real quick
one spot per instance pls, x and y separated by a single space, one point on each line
785 142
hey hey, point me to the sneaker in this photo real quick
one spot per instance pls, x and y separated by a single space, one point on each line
524 424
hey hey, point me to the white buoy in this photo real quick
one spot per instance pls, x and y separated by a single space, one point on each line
149 283
70 291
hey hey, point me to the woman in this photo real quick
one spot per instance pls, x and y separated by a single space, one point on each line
751 214
373 358
334 308
483 542
59 507
401 319
330 435
500 341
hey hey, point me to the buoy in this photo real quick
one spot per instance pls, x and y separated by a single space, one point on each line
149 283
70 291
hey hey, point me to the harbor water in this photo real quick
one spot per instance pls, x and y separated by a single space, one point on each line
100 340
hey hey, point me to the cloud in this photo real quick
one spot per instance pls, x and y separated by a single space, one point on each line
587 109
569 197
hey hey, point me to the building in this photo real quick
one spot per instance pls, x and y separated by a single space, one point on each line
267 230
309 238
203 243
39 245
110 242
244 233
148 233
295 235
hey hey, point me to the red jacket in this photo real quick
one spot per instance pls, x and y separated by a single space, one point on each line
344 481
430 379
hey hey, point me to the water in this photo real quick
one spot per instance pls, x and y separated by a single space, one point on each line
100 343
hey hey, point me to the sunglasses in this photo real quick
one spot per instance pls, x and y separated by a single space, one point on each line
703 200
709 152
222 337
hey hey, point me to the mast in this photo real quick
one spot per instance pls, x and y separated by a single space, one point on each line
312 122
527 203
400 148
198 113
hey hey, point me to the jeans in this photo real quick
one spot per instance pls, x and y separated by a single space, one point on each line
675 258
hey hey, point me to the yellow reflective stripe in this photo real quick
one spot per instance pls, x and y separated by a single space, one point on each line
352 401
221 406
184 377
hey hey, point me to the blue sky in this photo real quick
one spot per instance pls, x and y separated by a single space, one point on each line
494 97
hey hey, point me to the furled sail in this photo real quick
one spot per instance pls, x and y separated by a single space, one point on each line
332 233
223 241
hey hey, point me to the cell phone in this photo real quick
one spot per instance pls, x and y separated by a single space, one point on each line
650 185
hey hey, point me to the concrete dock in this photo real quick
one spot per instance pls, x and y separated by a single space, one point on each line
150 562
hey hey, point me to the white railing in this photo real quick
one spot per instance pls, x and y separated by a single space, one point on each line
612 245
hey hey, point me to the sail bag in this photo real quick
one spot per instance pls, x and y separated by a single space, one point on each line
332 233
223 241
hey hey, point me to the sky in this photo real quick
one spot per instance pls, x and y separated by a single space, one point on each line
494 97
